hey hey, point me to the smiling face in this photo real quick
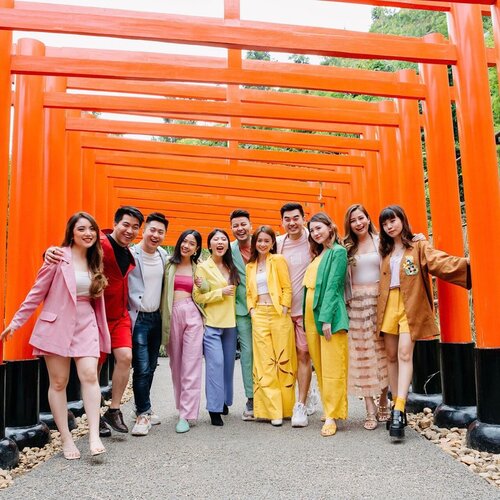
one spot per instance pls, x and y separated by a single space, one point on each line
264 243
293 223
84 233
241 228
189 246
320 233
153 236
126 231
219 244
359 223
393 226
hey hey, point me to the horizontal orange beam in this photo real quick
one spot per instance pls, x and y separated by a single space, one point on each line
225 185
270 111
208 167
219 33
247 136
329 78
319 161
420 4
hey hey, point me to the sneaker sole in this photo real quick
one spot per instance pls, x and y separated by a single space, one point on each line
295 424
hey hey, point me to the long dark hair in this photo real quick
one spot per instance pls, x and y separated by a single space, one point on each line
317 248
227 258
176 257
98 281
254 254
351 240
386 242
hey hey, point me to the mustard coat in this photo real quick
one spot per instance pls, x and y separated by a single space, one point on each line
278 282
415 285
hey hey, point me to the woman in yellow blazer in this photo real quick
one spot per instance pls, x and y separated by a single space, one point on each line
269 297
219 278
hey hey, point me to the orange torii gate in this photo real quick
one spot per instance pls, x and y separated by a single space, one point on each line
83 154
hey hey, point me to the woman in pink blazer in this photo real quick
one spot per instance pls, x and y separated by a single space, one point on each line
72 324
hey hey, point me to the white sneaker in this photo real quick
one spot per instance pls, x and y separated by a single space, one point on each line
312 401
155 419
277 422
299 417
142 425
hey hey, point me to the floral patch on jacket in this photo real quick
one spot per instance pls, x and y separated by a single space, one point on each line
409 266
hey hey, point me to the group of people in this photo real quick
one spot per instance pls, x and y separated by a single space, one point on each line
351 309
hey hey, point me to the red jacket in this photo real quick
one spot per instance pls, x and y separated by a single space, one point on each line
116 293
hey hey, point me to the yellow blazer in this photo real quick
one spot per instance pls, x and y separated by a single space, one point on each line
220 310
278 282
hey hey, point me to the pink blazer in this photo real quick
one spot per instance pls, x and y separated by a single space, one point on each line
55 286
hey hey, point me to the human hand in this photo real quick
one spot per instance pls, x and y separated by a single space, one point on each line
198 281
251 312
228 290
7 333
53 255
327 331
418 237
285 310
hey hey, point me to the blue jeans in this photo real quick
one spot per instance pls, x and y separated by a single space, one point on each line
219 347
146 341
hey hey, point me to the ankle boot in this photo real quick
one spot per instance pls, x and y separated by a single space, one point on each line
397 424
216 419
225 409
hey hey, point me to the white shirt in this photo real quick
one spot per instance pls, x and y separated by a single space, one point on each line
152 270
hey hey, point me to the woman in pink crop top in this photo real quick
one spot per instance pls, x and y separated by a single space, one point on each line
182 326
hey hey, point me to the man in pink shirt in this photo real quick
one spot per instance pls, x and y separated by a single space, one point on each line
294 245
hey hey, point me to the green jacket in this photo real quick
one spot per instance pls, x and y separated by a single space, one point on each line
329 305
241 291
167 299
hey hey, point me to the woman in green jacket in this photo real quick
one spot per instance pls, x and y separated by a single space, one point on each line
325 318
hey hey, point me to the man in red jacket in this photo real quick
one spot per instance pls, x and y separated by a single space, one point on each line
118 262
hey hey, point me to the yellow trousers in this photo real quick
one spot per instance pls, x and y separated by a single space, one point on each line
330 360
274 363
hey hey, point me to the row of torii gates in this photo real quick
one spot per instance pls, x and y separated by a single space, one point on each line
57 158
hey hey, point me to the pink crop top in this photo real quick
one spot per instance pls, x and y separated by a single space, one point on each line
183 283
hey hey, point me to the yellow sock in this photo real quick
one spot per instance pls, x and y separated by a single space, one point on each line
400 404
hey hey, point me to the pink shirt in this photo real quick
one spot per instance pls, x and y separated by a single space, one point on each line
296 253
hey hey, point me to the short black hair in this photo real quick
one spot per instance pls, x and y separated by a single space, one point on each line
239 212
288 207
128 210
158 217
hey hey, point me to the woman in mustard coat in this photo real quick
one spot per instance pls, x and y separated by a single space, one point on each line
325 318
404 310
269 297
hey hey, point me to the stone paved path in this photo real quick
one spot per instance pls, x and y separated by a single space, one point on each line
252 460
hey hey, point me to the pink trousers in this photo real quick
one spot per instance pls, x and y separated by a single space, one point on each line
185 350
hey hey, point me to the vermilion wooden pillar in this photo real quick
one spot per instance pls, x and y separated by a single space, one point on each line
495 19
55 195
457 349
74 168
24 253
411 166
482 196
372 202
389 161
5 105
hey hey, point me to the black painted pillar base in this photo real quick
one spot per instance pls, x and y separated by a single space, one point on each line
484 433
9 454
48 419
104 379
73 393
22 419
458 380
45 411
426 381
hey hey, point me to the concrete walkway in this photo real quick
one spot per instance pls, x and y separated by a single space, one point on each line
253 460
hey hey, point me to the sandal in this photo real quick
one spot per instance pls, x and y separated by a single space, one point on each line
383 413
72 453
329 429
370 422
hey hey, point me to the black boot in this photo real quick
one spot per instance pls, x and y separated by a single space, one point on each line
216 418
104 430
397 424
225 410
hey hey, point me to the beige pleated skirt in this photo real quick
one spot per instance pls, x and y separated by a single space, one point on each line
367 358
